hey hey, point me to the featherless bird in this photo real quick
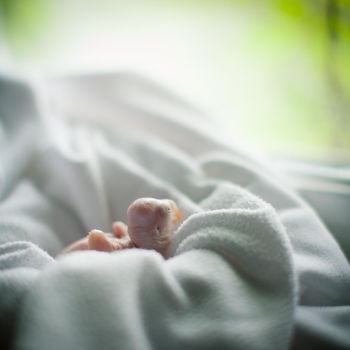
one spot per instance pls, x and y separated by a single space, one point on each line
150 225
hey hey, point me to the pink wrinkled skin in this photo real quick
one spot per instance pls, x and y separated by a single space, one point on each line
150 226
151 221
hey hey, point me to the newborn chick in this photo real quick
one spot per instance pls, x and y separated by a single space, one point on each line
150 226
151 223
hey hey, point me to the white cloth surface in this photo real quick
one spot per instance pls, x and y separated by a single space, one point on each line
252 266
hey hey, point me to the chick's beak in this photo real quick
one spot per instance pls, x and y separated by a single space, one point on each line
177 215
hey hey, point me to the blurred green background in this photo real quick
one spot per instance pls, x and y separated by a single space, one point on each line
275 73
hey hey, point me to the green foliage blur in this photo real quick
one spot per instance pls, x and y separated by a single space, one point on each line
312 117
23 21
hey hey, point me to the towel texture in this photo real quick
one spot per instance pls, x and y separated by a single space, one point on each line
251 267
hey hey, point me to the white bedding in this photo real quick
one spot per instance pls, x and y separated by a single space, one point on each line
252 266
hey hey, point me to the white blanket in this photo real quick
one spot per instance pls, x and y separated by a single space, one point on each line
252 266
